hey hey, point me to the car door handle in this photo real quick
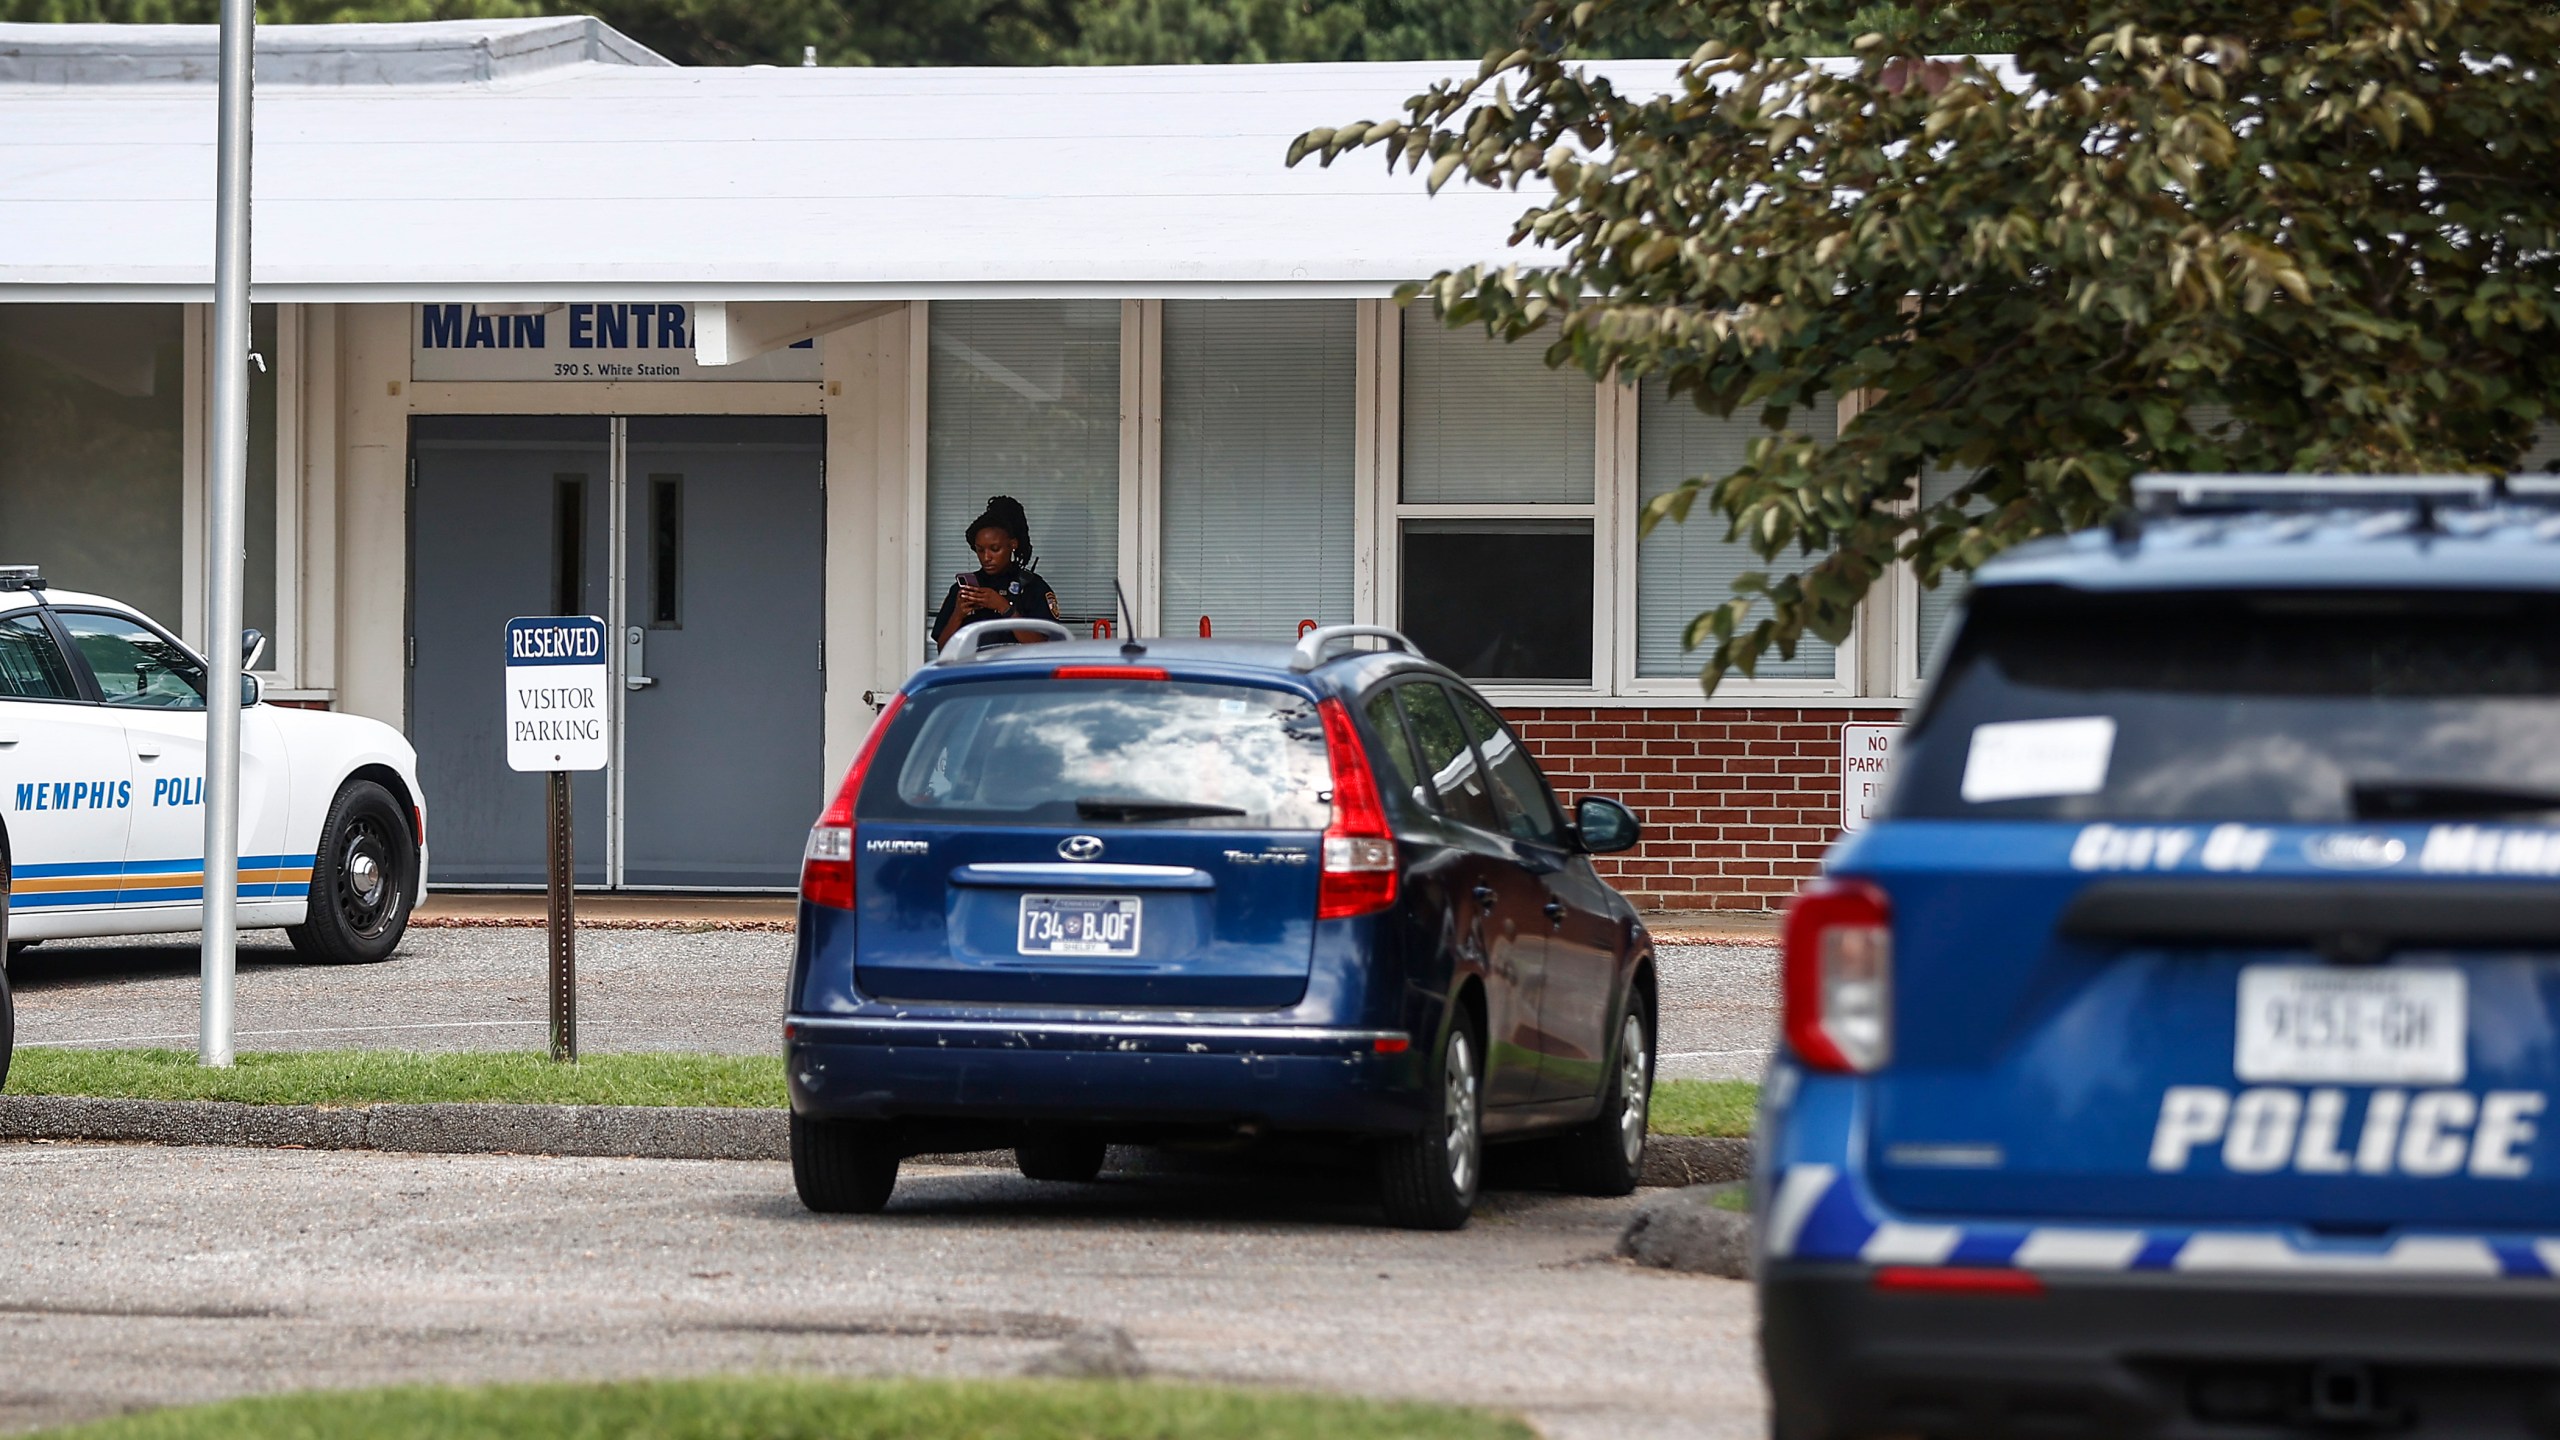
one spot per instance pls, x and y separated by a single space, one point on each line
7 739
146 754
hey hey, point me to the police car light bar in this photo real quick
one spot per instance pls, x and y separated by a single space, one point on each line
2162 494
21 577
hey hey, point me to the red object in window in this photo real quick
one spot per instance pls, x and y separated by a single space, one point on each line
826 866
1204 627
1110 672
1838 977
1304 626
1359 849
1101 629
1958 1280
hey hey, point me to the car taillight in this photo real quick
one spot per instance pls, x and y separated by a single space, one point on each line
1359 849
1839 977
826 866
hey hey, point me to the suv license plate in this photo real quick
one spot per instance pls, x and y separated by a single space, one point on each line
1079 925
2329 1024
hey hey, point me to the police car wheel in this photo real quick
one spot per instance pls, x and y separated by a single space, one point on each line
362 880
843 1167
1606 1156
1062 1156
1428 1180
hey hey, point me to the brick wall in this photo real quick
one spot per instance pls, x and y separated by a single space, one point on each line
1738 805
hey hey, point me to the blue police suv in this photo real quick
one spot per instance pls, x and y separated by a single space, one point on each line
1080 894
2175 1058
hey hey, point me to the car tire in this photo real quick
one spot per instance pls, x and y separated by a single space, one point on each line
8 1010
1428 1180
843 1167
363 880
1606 1156
1066 1157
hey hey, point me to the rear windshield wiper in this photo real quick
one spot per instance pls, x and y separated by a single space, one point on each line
1135 807
2444 799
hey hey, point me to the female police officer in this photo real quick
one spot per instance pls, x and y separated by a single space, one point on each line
1004 584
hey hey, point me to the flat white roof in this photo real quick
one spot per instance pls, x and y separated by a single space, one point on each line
575 178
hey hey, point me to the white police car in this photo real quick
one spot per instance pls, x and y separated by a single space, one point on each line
102 740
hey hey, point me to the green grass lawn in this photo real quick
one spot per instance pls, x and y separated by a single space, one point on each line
794 1409
1703 1107
357 1077
363 1077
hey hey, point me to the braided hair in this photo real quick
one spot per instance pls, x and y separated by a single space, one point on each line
1005 513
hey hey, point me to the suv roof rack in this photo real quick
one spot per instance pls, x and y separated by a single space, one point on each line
964 646
1311 646
2175 494
21 577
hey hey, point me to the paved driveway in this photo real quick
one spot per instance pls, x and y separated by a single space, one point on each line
142 1276
482 989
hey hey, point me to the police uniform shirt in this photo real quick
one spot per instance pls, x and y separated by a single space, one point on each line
1031 596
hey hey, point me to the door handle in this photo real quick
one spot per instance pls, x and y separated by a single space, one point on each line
7 739
146 754
635 659
1555 911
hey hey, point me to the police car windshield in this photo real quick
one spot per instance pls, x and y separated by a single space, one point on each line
2296 707
1073 752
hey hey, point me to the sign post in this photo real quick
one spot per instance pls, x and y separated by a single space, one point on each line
558 722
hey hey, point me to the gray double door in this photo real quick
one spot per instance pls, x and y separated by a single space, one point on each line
700 540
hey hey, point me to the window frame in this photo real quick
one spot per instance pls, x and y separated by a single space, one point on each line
88 673
73 663
305 538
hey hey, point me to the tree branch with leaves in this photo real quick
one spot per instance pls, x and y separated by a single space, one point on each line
2192 237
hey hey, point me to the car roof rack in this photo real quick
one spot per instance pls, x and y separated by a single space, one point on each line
1311 646
2186 494
21 577
964 646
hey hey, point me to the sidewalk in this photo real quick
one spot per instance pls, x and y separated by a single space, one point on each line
776 912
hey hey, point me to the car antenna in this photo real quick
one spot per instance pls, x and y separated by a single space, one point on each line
1130 649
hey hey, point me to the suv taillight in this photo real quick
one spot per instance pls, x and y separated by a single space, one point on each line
826 866
1839 977
1359 849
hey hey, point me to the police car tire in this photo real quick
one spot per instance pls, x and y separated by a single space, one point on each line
1063 1156
1415 1177
843 1167
1591 1159
363 816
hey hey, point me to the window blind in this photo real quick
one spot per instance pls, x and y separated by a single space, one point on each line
1023 399
1938 606
1260 401
1487 423
1686 569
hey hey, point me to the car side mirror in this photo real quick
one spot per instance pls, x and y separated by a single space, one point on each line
1605 826
252 691
253 643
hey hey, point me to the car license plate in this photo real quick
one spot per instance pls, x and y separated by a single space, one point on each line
1079 925
2371 1026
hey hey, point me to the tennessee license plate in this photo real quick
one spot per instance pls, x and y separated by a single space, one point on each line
1079 925
2369 1026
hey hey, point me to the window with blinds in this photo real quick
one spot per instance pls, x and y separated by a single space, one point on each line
1023 399
1260 409
1938 604
1684 570
1487 423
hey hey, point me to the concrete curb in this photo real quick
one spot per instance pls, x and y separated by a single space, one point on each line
617 1131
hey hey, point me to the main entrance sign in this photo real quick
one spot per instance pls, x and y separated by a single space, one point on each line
628 342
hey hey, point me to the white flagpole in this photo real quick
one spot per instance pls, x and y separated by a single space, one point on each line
226 555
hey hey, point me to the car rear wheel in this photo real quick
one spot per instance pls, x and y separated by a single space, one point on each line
843 1167
1429 1179
362 880
1069 1157
1606 1156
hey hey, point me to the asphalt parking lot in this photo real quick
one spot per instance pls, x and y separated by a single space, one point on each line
481 988
138 1276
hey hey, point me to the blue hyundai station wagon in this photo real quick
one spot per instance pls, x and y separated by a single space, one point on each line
1080 894
2174 1059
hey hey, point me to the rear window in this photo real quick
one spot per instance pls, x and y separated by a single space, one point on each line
1098 752
2267 706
